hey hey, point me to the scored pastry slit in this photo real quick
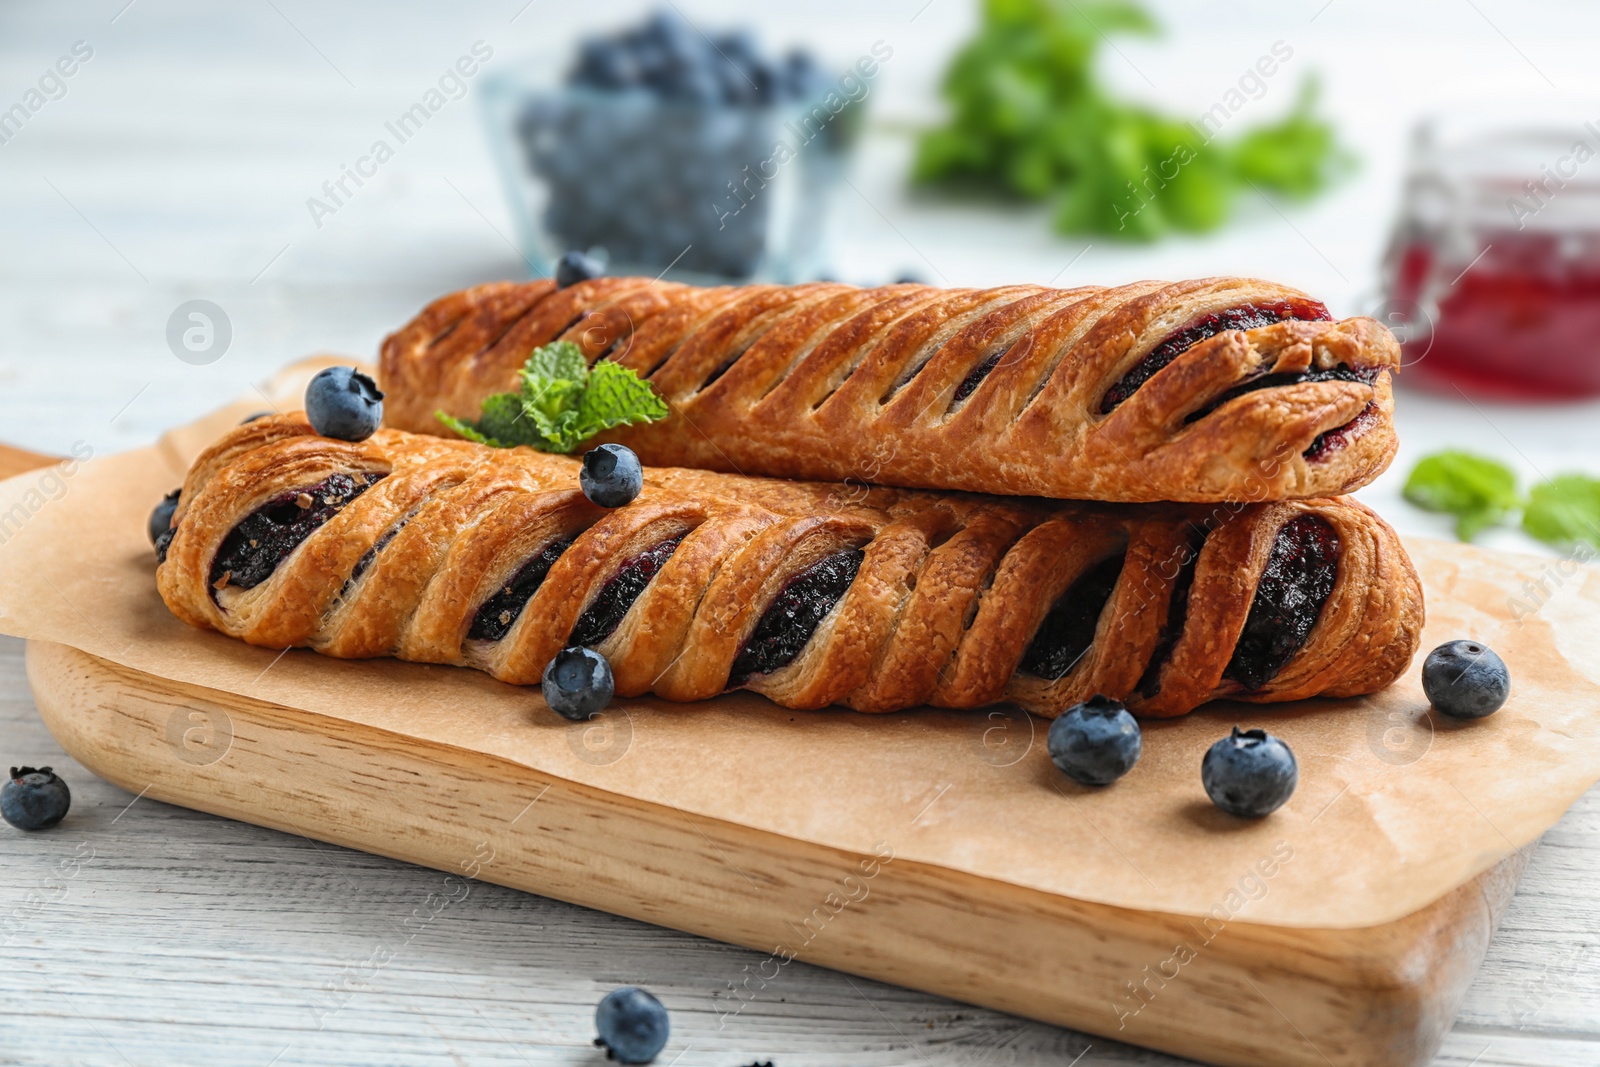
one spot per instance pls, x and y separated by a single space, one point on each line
718 342
656 340
927 396
918 340
778 340
770 359
601 544
831 364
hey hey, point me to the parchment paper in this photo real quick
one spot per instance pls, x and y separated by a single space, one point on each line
1396 806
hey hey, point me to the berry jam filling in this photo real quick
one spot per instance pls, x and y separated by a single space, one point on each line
500 611
1243 317
254 548
1068 630
617 596
1332 440
1177 615
1299 576
970 383
1341 373
370 556
795 614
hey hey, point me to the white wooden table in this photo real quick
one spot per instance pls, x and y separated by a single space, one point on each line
177 166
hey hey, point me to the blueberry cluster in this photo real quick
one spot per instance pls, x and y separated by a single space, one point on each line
675 61
656 154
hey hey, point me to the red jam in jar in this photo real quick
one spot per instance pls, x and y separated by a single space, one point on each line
1493 275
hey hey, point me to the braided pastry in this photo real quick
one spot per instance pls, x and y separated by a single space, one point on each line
442 551
1211 390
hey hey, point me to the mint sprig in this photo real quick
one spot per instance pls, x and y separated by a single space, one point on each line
1031 117
561 403
1482 492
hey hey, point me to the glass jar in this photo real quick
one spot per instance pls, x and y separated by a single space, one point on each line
1493 271
704 192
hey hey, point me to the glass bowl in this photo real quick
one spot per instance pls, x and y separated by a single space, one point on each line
695 192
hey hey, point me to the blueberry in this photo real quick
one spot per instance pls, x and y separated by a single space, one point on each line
34 799
342 402
633 1025
1465 680
604 64
1249 774
578 684
575 267
611 475
253 416
1096 742
161 518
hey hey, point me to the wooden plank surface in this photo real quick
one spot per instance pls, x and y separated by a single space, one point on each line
139 932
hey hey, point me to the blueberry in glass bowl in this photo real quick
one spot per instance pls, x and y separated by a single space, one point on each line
665 147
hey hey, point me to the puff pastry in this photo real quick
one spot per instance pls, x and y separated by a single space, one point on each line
1210 390
877 599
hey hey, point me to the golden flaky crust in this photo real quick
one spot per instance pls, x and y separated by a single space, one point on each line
833 382
950 591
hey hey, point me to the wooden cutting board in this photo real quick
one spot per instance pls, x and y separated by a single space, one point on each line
1251 995
16 461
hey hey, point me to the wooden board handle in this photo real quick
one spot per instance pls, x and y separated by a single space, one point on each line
15 461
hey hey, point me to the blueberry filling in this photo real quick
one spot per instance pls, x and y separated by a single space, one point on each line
1243 317
1298 578
1332 440
494 620
254 548
615 598
795 613
1068 630
970 383
1177 615
1341 373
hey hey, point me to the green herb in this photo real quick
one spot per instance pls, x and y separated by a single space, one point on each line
1479 492
1030 119
1565 510
562 403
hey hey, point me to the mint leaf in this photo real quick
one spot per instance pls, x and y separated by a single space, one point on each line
617 397
561 359
1565 510
505 420
1479 492
467 430
562 403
